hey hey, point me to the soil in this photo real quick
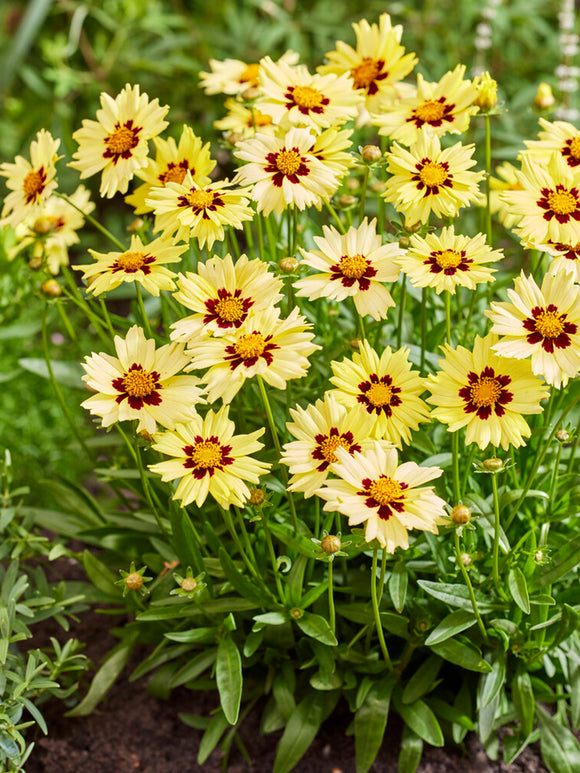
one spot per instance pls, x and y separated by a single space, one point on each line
133 732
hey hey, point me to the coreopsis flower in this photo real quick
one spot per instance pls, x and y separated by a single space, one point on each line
386 387
244 121
506 181
329 148
426 179
566 257
388 498
265 345
352 264
284 171
232 76
486 98
171 164
319 430
558 137
141 383
544 98
53 229
549 202
116 144
485 393
222 294
190 210
30 182
446 106
448 260
208 458
142 263
541 323
377 62
295 97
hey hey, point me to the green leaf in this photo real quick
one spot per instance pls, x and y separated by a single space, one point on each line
317 627
451 713
301 730
211 737
203 635
568 624
196 666
411 751
8 746
491 683
563 561
453 623
518 587
294 541
100 575
105 676
523 700
219 606
67 373
245 587
462 704
574 670
462 654
398 582
513 745
455 595
229 678
422 680
560 749
270 618
283 689
422 721
370 722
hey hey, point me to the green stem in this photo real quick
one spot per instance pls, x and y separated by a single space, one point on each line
402 299
363 195
331 612
455 460
423 328
245 535
94 222
573 450
376 613
234 534
260 229
336 218
467 469
496 530
467 580
272 555
142 311
487 180
448 318
554 483
382 576
249 237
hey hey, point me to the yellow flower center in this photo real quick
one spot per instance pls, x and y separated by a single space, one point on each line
250 74
379 394
329 445
365 73
562 202
207 454
138 383
121 140
305 96
448 258
131 261
288 161
230 309
259 119
385 490
549 324
175 174
32 185
199 199
485 392
250 345
431 110
575 147
433 174
353 266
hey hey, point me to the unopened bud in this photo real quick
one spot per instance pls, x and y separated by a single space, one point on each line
544 98
412 228
466 559
486 98
136 225
355 343
288 265
146 435
538 556
371 154
257 496
296 613
35 263
188 584
51 288
352 184
461 514
493 464
404 242
44 225
234 138
251 93
330 544
346 200
134 581
562 436
378 186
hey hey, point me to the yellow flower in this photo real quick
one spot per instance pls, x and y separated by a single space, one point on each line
244 121
506 181
486 98
232 76
30 182
116 144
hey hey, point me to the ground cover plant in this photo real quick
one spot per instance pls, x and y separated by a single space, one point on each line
333 383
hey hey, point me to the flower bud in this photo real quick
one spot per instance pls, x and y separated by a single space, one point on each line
544 98
461 514
352 184
486 98
51 288
257 496
251 93
355 343
188 584
136 225
404 242
44 225
562 436
134 581
538 556
493 464
35 263
371 154
346 200
234 138
466 559
296 613
288 265
330 544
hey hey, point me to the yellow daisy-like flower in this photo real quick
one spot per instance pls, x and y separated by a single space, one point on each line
244 121
208 458
30 182
141 263
116 144
447 260
566 257
486 86
378 61
329 148
319 430
223 294
172 162
543 324
265 345
506 181
352 264
558 137
549 202
426 179
446 106
485 393
295 97
386 387
140 383
284 171
232 76
53 229
388 498
190 210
